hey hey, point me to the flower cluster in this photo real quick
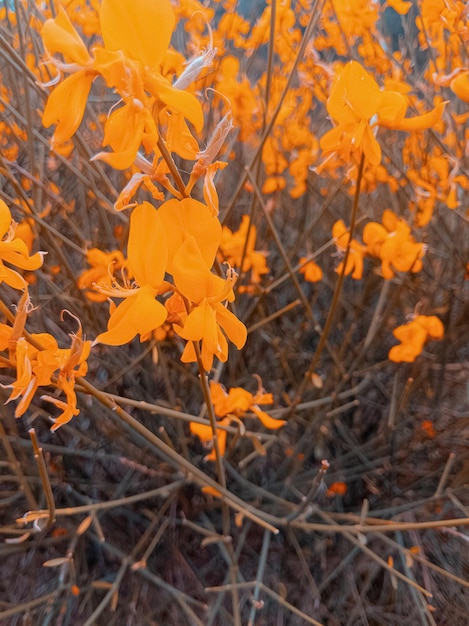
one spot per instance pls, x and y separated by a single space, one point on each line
37 360
391 242
179 241
230 407
413 336
133 62
358 106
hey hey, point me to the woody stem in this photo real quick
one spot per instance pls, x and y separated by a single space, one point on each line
338 288
211 414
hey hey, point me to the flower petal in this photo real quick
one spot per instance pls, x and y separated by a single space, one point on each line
354 96
190 217
142 29
59 35
66 105
190 272
147 248
146 313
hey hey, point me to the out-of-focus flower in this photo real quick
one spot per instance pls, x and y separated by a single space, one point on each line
393 243
310 270
413 337
356 254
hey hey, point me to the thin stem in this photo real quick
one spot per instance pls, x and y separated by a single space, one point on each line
39 456
172 167
338 288
211 414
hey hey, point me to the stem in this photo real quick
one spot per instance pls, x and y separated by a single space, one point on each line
338 288
211 414
172 167
39 456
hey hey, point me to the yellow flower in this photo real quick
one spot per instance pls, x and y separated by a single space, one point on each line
66 104
131 62
103 266
233 405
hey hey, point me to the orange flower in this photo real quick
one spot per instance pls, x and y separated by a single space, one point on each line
66 104
357 104
131 62
103 266
413 337
337 489
310 270
14 251
232 406
394 245
238 402
208 316
36 367
140 313
357 251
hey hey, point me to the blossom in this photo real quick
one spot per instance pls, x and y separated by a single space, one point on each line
356 253
103 266
140 313
66 104
14 251
43 363
233 405
393 243
132 63
310 270
413 337
208 319
357 105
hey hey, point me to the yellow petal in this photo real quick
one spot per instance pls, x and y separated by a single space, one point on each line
120 330
399 6
11 278
235 329
432 325
201 324
176 99
147 248
371 147
141 28
5 219
203 432
392 108
126 128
